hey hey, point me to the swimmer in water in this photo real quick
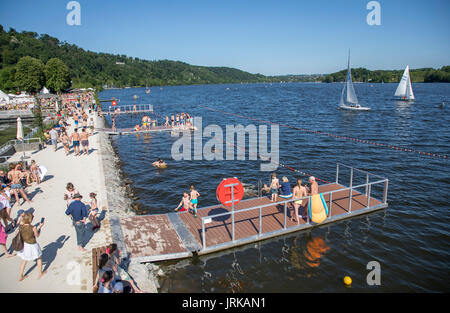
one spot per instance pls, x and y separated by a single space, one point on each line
159 163
194 199
185 203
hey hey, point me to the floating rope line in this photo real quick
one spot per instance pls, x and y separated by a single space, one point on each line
442 156
280 164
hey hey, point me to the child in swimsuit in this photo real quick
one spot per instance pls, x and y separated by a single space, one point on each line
274 185
93 210
194 201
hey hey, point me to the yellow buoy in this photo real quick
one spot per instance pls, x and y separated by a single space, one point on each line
347 280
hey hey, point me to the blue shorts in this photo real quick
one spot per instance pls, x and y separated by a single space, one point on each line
76 143
16 186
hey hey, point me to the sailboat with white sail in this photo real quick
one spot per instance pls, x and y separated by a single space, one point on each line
350 101
404 89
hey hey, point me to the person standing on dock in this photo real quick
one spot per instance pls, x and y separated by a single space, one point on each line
274 185
77 210
299 192
185 203
194 199
314 189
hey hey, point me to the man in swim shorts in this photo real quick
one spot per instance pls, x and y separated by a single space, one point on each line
75 137
194 199
185 203
84 137
299 192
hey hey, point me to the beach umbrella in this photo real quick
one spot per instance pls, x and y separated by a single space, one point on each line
19 135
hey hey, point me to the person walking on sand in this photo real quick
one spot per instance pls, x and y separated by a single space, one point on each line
92 209
31 250
75 137
194 199
299 192
3 237
274 186
54 137
77 210
66 143
84 137
185 203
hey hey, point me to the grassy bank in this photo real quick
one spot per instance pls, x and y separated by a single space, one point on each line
10 133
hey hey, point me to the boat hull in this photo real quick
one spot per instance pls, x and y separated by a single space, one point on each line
351 108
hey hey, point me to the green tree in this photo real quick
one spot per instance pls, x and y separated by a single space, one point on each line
57 75
29 74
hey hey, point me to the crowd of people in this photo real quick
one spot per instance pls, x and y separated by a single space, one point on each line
284 191
112 276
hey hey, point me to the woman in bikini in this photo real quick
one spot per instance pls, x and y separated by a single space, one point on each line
299 192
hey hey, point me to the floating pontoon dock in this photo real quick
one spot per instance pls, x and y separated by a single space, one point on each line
128 109
179 235
153 129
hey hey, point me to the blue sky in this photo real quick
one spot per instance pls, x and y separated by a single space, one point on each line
268 37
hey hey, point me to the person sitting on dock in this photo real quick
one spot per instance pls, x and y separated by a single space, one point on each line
167 121
185 203
194 199
314 189
286 191
136 128
159 163
172 118
298 192
274 186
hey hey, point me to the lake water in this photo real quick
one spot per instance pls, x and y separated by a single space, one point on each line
410 239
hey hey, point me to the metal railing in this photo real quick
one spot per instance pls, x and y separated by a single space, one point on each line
6 146
367 185
130 108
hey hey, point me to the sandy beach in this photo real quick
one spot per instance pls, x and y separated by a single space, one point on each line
69 270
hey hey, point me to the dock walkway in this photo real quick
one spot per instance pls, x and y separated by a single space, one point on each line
180 235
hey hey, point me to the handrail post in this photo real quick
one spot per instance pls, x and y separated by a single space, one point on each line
386 183
232 221
260 222
331 204
285 214
203 234
307 211
368 195
350 191
337 173
367 183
